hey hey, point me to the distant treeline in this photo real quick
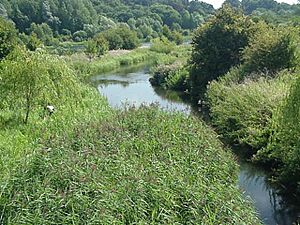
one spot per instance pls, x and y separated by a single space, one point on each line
147 17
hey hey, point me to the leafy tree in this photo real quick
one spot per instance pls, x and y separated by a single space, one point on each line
31 80
121 38
217 47
43 32
8 38
91 49
102 45
270 49
176 37
33 42
79 36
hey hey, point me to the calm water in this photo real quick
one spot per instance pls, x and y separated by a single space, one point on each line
130 85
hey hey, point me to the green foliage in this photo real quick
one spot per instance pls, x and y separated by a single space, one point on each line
91 49
162 45
102 45
173 76
242 109
32 80
270 49
33 42
79 36
43 32
283 147
177 37
94 16
123 169
120 38
8 38
217 47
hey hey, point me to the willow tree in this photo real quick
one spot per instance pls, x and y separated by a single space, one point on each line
31 80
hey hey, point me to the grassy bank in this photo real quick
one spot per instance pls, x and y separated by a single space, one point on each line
86 68
123 169
89 164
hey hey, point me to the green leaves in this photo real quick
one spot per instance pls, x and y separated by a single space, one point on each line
8 37
217 47
31 80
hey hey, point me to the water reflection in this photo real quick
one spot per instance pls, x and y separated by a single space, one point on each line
272 207
131 85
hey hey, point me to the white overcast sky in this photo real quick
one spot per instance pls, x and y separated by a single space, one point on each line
218 3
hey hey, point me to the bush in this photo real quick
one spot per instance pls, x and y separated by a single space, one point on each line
270 49
121 38
32 80
79 36
162 45
243 112
173 76
284 145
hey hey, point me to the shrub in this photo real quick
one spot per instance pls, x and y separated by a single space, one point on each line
270 49
284 145
243 112
173 76
121 38
162 45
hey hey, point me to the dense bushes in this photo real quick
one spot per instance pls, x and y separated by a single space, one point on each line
162 45
283 147
125 170
270 50
120 38
243 111
173 76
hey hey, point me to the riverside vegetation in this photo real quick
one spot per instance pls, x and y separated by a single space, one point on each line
90 164
249 83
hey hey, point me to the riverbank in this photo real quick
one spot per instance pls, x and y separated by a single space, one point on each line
88 163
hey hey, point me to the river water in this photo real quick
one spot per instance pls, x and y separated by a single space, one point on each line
130 85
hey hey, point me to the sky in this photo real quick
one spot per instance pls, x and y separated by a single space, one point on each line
218 3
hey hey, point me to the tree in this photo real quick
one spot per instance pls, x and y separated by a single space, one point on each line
270 49
31 80
33 42
217 47
91 48
8 38
102 45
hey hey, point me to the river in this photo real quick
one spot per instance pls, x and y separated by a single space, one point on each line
130 85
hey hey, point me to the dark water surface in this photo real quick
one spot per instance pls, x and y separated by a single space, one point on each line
130 85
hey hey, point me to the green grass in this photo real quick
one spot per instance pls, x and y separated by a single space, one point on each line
125 170
108 62
90 164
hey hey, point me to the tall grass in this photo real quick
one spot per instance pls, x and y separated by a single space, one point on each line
109 62
125 170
